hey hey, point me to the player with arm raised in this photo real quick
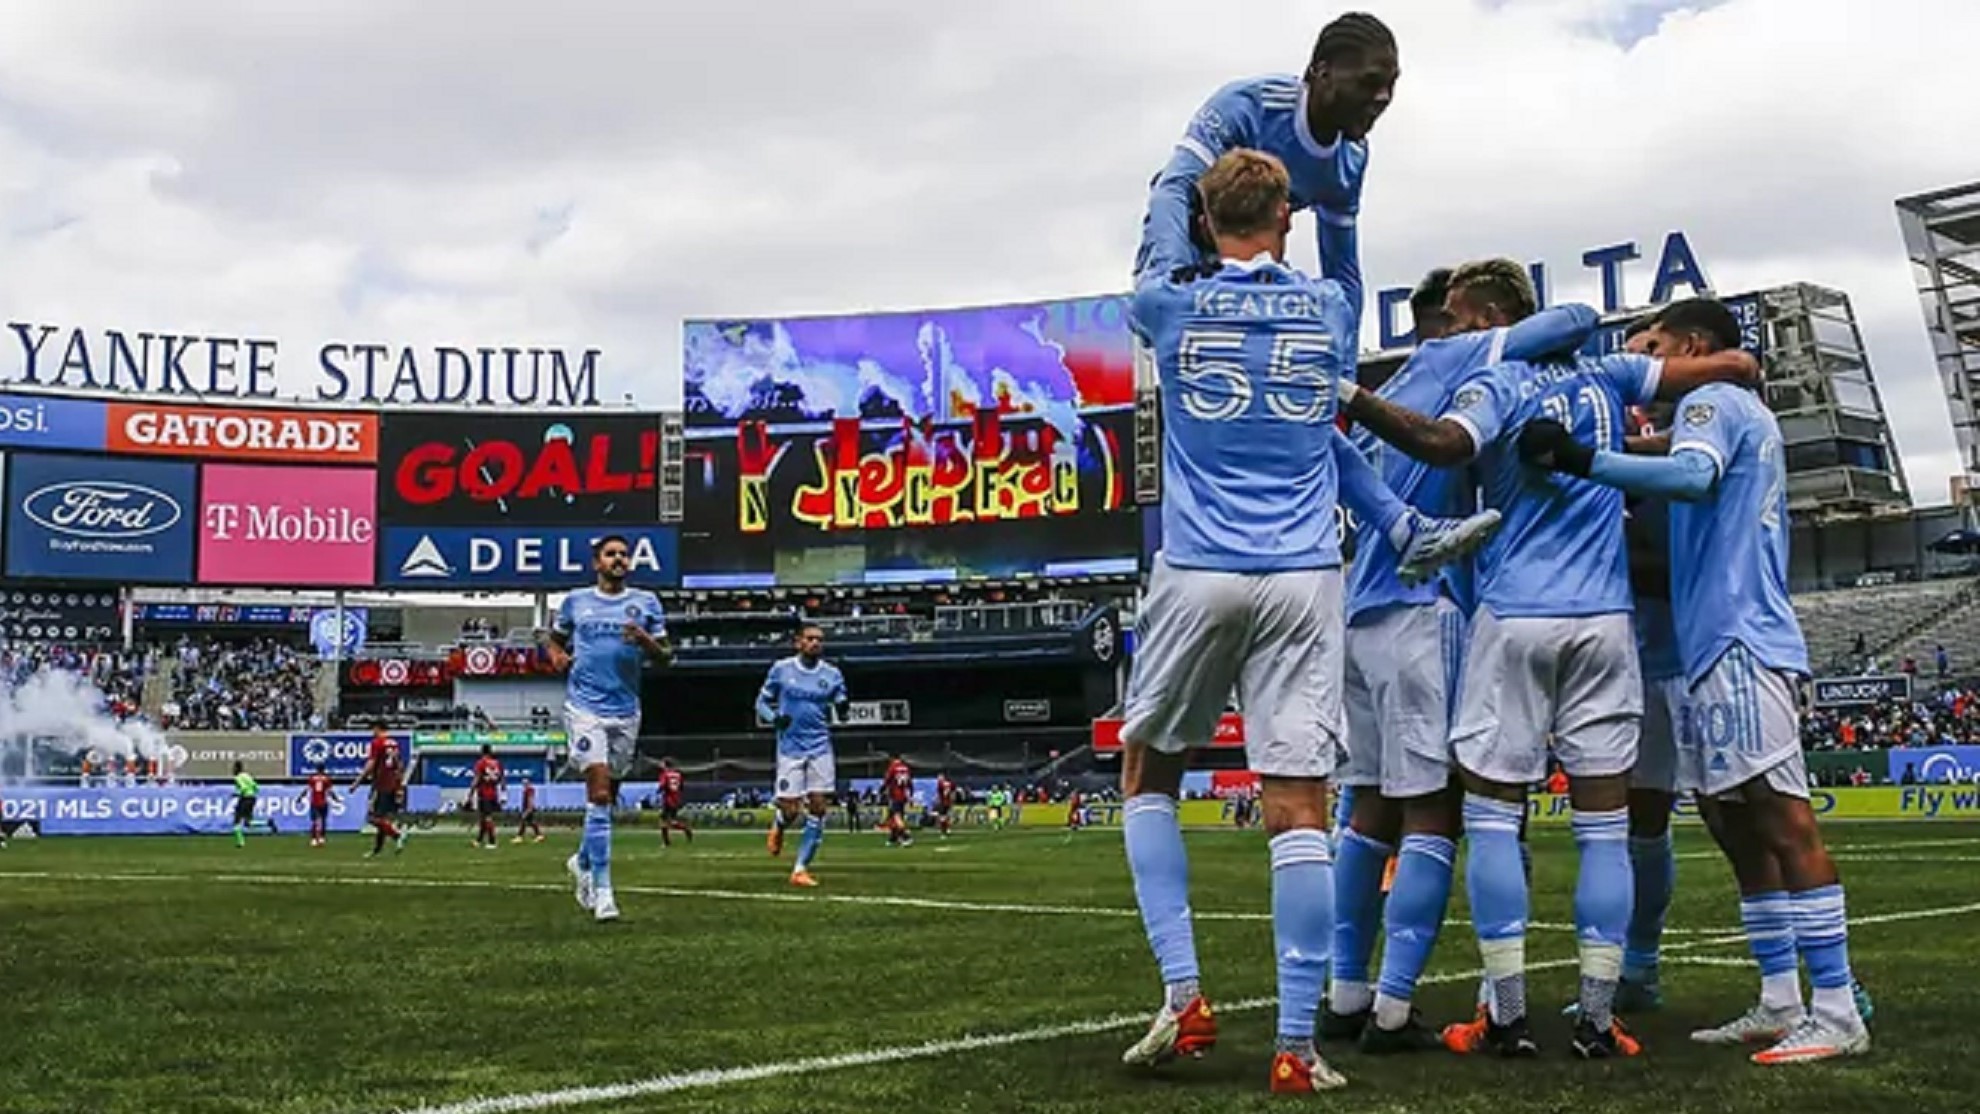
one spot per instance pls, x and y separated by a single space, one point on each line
798 698
1404 646
1551 656
1744 659
602 636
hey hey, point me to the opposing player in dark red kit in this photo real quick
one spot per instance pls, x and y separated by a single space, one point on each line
487 796
671 784
320 791
1075 811
897 785
528 822
945 802
385 769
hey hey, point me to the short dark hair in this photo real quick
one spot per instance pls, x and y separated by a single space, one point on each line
1428 297
1642 324
803 627
1706 318
1351 36
598 546
486 749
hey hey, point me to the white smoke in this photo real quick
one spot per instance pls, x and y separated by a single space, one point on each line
61 709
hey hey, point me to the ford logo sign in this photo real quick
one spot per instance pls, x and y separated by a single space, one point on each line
102 509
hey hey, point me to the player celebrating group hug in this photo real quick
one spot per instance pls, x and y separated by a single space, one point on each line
1457 682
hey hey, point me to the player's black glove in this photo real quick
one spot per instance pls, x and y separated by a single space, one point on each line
782 721
1546 443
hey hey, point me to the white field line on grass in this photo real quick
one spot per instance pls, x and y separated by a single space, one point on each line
1836 849
894 901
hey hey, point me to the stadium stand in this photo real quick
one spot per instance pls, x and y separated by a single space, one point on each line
264 685
1877 619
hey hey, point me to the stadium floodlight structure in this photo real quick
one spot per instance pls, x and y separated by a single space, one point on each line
1841 460
1942 236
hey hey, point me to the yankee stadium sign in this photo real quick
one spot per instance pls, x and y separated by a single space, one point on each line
220 368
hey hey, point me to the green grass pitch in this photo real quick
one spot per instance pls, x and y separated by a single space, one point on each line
989 972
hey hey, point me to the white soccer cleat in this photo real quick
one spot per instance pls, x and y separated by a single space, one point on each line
604 908
1436 542
1759 1025
1192 1033
1818 1038
581 879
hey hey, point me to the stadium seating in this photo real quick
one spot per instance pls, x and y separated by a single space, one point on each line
1885 616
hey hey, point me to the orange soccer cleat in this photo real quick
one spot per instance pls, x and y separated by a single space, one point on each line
1292 1075
1191 1032
803 878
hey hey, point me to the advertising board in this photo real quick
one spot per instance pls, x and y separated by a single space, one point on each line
273 524
212 433
518 556
100 518
549 469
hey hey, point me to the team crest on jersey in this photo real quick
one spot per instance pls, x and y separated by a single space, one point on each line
1698 413
1468 397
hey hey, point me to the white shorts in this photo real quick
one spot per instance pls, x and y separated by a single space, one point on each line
595 739
1273 638
1741 721
1527 680
1402 672
1657 749
801 776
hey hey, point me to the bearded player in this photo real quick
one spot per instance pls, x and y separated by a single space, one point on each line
798 698
602 637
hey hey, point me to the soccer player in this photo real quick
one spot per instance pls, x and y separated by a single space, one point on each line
1404 646
319 791
385 769
997 801
897 784
945 802
1245 596
487 796
1743 657
670 790
528 822
1075 811
602 635
246 792
799 697
1551 655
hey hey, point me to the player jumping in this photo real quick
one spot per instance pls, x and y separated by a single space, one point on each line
1404 648
897 785
319 791
602 635
528 822
385 769
798 698
1246 594
1743 657
487 777
1551 656
670 790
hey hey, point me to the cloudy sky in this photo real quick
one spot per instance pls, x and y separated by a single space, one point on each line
583 174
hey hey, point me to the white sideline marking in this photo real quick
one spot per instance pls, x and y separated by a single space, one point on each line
1853 848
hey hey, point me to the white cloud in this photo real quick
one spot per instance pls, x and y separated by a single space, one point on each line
589 173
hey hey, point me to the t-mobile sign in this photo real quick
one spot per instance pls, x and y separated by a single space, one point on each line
291 526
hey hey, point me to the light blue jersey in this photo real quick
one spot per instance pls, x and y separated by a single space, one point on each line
1729 552
807 695
1250 362
1560 552
604 666
1265 114
1425 384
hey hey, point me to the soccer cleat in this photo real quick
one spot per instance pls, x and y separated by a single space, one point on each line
1343 1026
1758 1025
1192 1033
776 840
1817 1038
1865 1007
605 908
803 878
1612 1043
585 889
1295 1075
518 839
539 839
1436 542
1513 1041
399 845
1414 1036
1631 998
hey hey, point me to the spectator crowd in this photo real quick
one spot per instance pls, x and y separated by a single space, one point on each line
261 685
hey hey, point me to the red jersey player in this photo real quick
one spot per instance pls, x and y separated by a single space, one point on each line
1075 811
320 791
385 768
487 796
945 802
671 784
528 821
897 785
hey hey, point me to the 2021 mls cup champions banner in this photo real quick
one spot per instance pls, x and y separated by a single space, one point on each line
927 445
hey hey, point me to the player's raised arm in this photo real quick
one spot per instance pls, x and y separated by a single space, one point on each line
1549 332
1442 442
1169 233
